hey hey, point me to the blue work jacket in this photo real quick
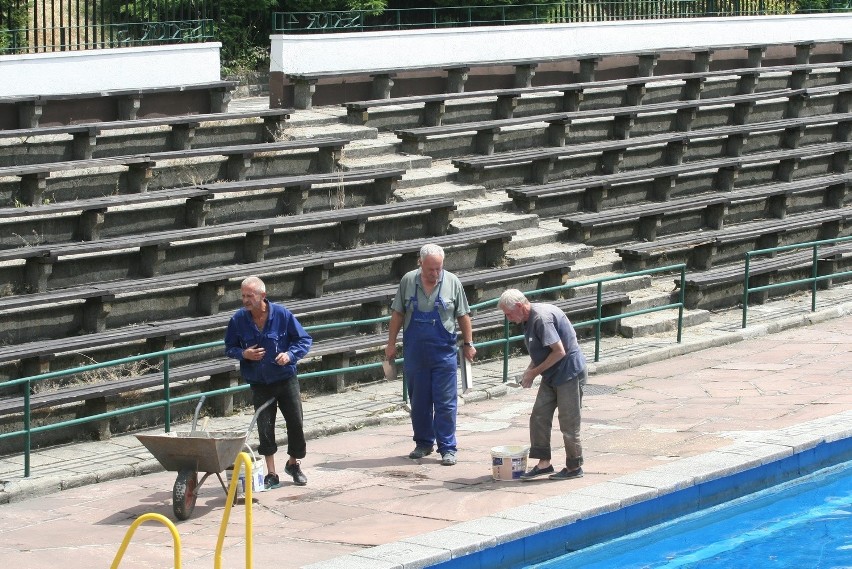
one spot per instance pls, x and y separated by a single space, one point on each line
281 333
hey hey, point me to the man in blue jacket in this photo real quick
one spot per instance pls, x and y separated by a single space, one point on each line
269 342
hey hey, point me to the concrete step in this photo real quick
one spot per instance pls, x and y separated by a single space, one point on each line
464 221
380 146
536 244
601 261
312 130
660 292
438 190
318 116
627 284
435 173
489 203
384 161
659 322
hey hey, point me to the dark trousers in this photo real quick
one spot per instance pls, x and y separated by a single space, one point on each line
289 400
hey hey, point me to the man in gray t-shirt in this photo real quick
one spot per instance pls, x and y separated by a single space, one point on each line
555 355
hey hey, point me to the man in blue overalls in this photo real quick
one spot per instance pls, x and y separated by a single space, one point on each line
431 308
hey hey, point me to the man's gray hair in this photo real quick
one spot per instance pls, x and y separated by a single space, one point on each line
511 298
430 250
254 283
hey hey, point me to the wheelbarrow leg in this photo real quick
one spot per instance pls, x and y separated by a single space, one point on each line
185 493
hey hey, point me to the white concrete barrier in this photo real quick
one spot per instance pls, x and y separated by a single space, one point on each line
107 69
350 52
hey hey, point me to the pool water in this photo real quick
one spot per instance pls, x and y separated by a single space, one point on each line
803 524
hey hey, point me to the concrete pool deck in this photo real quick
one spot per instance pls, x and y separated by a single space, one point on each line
714 405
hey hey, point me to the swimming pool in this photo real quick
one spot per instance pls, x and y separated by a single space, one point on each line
803 523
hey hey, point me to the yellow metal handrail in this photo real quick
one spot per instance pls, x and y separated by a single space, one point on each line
132 529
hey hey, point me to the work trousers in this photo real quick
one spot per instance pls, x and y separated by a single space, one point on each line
566 400
289 400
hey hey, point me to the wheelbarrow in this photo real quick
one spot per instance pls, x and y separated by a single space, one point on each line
194 452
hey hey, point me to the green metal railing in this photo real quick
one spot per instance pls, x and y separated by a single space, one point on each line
167 402
813 280
516 14
101 36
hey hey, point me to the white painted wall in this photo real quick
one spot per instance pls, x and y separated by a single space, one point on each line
105 69
365 51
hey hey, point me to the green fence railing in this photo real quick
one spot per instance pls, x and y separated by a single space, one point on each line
102 36
167 401
813 280
568 11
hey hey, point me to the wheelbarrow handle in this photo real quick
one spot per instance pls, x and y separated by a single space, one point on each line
197 411
257 413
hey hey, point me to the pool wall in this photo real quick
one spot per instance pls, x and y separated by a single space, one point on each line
586 516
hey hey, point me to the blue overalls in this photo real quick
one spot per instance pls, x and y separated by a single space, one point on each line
430 368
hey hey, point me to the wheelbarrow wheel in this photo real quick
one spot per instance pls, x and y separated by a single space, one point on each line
184 493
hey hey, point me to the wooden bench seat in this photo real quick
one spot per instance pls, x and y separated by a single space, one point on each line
723 286
593 189
34 176
413 140
87 219
700 250
85 135
252 235
644 220
117 104
472 169
434 105
340 87
297 188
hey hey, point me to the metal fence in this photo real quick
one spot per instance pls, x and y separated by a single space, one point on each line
558 12
34 26
816 277
167 401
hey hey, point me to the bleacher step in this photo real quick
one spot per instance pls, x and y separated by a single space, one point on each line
659 322
318 116
353 132
483 205
537 244
382 145
435 173
438 189
598 263
466 222
627 284
408 161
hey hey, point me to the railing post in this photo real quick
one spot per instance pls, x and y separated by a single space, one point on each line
680 300
745 289
506 349
814 275
167 394
27 434
598 314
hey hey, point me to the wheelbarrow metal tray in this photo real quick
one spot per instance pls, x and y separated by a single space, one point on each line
199 451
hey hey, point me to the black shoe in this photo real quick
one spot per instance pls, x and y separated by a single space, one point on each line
420 451
536 472
271 481
294 470
566 474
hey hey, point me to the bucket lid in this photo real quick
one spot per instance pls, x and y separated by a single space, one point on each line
510 451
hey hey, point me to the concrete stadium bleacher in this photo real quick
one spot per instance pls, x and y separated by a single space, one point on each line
705 167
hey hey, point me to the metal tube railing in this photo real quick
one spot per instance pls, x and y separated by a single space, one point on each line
813 280
167 402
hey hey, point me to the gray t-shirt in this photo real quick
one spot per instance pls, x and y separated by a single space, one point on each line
547 325
452 293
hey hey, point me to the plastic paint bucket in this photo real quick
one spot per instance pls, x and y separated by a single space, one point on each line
509 462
